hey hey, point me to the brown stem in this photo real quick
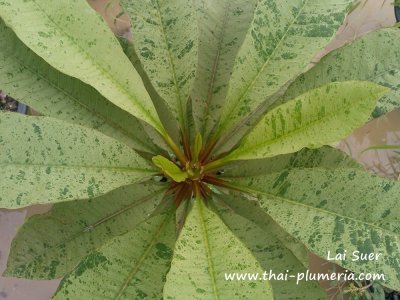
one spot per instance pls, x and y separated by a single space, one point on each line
180 195
205 154
179 154
222 183
186 145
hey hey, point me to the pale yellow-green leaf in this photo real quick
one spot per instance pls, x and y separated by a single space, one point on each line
28 78
169 168
363 59
44 160
268 245
74 39
130 266
50 245
319 117
281 41
205 250
166 41
337 210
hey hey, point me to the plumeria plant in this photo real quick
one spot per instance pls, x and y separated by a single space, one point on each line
197 151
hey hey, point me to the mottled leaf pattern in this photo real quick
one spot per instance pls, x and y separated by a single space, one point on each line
281 41
75 40
274 257
324 157
165 39
28 78
337 210
205 250
50 245
373 57
131 266
44 160
222 27
319 117
248 207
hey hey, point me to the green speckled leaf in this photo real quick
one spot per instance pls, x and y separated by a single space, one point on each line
165 38
281 41
222 27
75 40
373 57
130 266
273 256
247 207
50 245
28 78
324 157
319 117
337 210
44 160
205 250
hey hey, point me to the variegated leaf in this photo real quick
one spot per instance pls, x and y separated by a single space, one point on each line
165 39
44 160
324 157
222 27
130 266
319 117
281 41
277 261
340 210
28 78
205 250
75 40
373 57
50 245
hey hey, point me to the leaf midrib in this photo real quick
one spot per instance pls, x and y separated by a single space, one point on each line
214 70
99 67
108 121
119 169
208 251
172 66
91 227
327 116
254 80
141 260
293 202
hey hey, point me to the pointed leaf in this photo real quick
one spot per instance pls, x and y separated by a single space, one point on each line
324 157
316 207
50 245
205 250
282 39
28 78
169 168
131 266
75 40
222 27
165 38
198 145
274 257
316 118
44 160
363 59
249 208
